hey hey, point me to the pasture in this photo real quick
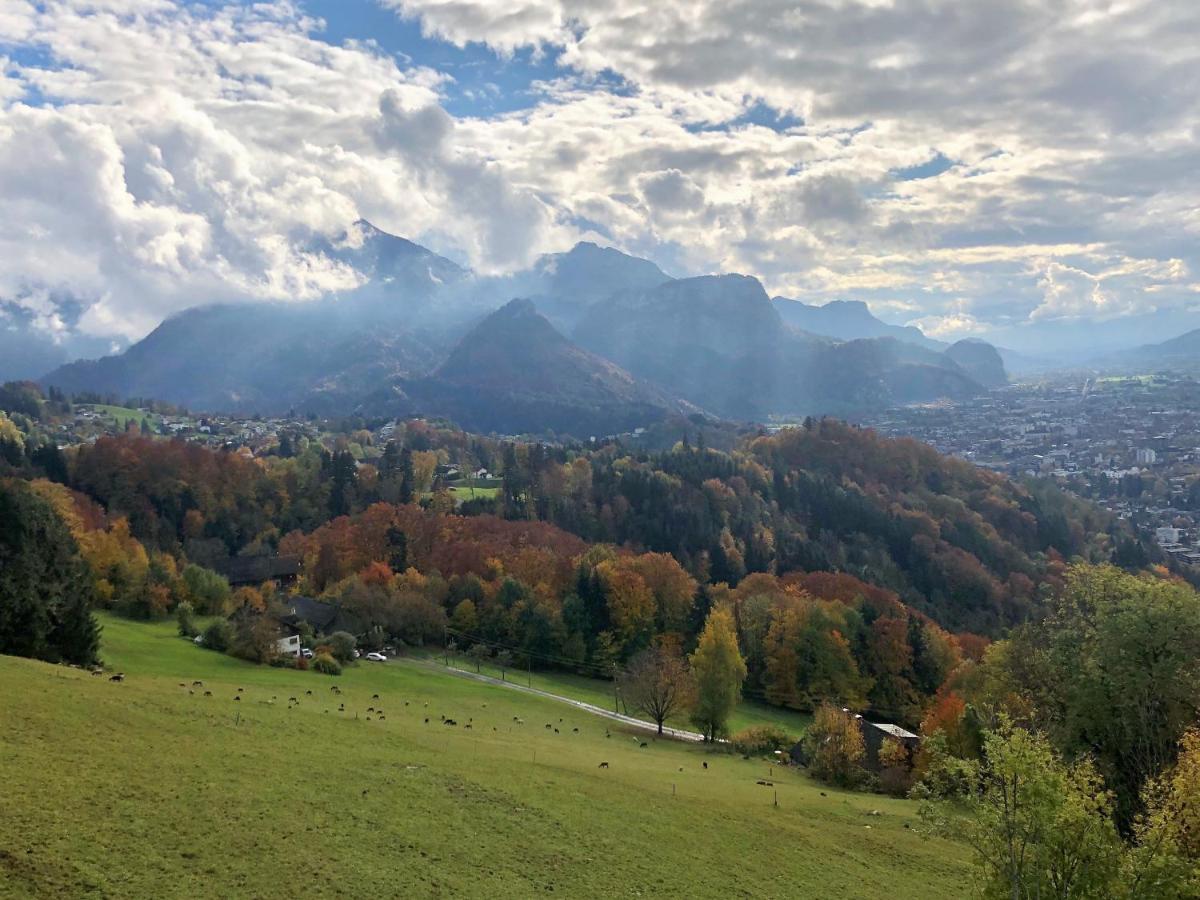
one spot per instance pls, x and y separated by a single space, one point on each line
150 788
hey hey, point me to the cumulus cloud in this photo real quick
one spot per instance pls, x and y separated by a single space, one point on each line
186 155
961 165
1065 124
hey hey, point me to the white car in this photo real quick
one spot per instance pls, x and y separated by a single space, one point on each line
376 657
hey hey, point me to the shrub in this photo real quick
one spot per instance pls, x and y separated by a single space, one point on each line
186 620
208 590
218 636
835 747
341 645
326 664
760 739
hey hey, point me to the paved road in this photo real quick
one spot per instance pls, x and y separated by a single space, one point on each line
677 733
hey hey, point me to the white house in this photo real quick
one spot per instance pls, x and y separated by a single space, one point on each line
1166 535
289 645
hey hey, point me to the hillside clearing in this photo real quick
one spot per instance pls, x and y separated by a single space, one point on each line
148 788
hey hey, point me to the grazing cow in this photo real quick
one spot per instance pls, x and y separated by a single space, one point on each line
604 765
576 730
236 697
292 700
197 684
556 731
765 783
705 765
208 693
381 718
308 693
181 684
97 671
449 722
370 709
643 744
548 726
120 676
468 725
427 720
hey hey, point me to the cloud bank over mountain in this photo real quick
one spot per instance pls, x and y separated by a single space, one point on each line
989 168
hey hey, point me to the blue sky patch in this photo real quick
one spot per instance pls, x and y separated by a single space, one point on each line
931 168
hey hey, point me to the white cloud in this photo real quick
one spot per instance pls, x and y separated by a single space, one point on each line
186 154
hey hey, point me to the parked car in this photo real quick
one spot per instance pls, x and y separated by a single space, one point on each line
376 657
306 653
198 639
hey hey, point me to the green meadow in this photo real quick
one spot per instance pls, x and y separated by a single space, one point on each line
149 788
601 693
121 415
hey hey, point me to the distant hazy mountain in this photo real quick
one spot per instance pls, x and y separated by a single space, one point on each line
316 355
383 257
564 285
719 341
1180 354
515 373
255 357
981 361
714 340
848 320
422 335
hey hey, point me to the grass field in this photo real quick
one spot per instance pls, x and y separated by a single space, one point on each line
600 693
120 414
146 789
466 492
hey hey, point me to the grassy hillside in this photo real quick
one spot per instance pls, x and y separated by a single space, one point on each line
146 789
600 693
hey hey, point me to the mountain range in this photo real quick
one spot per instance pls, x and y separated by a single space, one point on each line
599 341
1179 354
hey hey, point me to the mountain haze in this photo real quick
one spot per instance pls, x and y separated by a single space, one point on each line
422 335
515 373
848 320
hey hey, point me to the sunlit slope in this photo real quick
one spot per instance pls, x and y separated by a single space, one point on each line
149 788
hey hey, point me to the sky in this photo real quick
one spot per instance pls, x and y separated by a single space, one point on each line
969 166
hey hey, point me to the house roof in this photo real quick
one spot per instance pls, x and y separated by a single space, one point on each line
305 609
255 569
894 730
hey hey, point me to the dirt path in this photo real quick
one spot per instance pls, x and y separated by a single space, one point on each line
677 733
